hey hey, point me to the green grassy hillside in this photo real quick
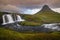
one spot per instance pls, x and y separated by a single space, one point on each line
6 34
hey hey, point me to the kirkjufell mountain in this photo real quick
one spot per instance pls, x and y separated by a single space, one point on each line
45 15
46 8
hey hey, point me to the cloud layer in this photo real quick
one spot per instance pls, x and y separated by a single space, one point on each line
28 6
15 9
52 3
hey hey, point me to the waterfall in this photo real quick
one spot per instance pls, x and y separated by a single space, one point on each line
7 19
4 21
19 19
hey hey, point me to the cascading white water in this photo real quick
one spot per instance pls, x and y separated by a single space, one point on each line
19 19
53 26
9 19
4 21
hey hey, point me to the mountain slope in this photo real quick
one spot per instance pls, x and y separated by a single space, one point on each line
46 15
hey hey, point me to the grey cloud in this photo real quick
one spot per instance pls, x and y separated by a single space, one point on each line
31 3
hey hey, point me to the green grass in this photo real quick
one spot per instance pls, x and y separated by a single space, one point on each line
41 18
6 34
49 17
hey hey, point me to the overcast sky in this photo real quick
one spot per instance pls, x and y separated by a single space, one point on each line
31 3
28 6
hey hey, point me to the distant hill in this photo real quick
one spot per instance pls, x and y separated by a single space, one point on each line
46 15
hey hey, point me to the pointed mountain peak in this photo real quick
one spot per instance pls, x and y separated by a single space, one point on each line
45 8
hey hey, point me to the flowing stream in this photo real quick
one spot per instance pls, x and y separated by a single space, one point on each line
9 22
42 28
53 26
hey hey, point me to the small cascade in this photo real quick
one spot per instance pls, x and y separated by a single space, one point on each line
53 26
7 19
19 19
